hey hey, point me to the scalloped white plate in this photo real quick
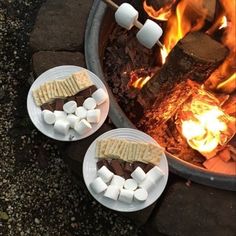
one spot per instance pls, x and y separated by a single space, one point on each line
90 171
35 113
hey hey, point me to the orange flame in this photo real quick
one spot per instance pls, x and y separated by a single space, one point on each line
189 16
162 14
140 82
205 125
223 22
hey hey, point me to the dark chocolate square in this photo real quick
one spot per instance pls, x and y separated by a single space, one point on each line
148 167
79 100
139 164
47 106
87 92
117 167
59 104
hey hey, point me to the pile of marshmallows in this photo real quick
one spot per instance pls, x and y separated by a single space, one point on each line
77 118
126 16
116 187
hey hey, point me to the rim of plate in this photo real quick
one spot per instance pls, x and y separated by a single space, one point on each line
58 73
89 171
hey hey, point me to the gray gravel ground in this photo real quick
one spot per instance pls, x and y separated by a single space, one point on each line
38 194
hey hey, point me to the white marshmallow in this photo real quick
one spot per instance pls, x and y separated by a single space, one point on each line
100 96
62 126
105 174
93 116
89 103
72 120
98 185
155 174
117 181
149 34
140 195
49 117
81 112
126 196
112 192
70 107
130 184
82 127
126 15
60 115
138 175
147 184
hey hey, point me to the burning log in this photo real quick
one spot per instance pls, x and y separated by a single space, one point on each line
194 57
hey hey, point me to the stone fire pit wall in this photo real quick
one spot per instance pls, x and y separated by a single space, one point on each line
99 25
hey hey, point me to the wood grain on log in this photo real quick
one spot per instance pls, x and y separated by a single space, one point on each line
194 57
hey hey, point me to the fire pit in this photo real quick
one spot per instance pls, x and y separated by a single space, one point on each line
169 96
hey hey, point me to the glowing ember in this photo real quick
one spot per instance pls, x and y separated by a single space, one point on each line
205 125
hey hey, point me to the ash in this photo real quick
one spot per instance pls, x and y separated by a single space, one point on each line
38 195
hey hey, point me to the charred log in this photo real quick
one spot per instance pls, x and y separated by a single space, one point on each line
194 57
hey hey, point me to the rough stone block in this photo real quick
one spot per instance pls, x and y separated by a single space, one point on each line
194 210
45 60
60 25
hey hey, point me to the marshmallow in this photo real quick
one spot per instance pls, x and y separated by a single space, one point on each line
100 96
81 112
138 175
60 115
126 196
140 195
105 174
72 120
112 192
149 34
49 117
155 174
147 184
82 127
118 181
93 116
62 126
70 107
126 15
98 185
130 184
89 103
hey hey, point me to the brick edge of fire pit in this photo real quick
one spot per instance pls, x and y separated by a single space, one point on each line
175 212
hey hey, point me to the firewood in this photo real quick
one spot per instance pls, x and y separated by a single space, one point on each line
194 57
225 154
215 164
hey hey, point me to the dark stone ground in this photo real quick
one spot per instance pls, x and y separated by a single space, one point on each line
38 193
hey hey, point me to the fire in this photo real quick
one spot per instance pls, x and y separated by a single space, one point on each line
224 72
140 82
205 125
223 22
161 14
189 16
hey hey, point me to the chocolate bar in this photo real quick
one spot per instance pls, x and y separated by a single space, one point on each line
87 92
59 104
117 167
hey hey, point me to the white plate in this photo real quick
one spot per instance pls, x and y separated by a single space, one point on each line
35 112
90 171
